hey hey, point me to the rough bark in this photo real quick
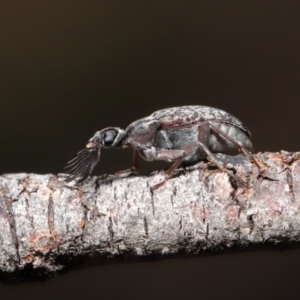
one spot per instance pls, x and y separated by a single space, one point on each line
47 224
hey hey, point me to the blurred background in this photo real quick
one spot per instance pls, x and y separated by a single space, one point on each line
70 68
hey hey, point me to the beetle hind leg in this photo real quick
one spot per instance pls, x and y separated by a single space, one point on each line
240 147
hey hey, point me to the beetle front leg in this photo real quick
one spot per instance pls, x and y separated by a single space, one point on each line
135 166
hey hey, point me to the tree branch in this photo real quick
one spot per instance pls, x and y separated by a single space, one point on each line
47 224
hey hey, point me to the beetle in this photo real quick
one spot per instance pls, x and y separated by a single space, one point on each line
178 134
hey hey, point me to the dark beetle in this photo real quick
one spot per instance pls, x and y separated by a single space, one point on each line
186 133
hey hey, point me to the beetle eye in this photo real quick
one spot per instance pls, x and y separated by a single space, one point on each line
109 137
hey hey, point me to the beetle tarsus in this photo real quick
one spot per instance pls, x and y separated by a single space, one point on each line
158 185
128 172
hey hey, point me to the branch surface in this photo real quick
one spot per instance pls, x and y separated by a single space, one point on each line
47 224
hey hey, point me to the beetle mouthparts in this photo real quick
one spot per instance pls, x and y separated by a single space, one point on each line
83 164
90 145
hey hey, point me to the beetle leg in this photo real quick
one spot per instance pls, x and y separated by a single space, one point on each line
135 166
177 155
236 143
135 161
203 136
167 155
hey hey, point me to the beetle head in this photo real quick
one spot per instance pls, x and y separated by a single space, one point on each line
108 137
83 164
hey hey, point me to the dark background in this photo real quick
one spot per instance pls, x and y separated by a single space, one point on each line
69 68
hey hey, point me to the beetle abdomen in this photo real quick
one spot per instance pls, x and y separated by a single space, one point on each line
220 144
